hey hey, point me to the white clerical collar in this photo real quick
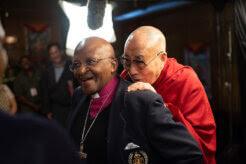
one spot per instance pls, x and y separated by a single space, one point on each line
94 96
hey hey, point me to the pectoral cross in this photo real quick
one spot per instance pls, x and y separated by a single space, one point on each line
82 154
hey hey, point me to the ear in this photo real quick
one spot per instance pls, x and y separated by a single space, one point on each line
114 63
163 56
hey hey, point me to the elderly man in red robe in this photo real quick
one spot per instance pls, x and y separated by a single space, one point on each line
146 63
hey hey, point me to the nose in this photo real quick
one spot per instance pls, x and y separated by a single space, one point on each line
81 70
133 70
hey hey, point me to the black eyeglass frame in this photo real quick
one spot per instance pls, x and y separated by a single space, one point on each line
87 63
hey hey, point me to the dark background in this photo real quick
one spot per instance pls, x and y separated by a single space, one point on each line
211 22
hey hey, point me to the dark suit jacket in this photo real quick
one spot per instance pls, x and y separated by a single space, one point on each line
30 140
140 119
55 95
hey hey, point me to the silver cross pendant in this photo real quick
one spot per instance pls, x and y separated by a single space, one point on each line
82 154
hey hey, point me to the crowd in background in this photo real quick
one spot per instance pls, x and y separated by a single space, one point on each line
185 119
45 90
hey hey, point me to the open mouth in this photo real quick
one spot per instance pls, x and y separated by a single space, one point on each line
86 78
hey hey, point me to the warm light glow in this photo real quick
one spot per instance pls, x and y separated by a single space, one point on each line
79 29
10 39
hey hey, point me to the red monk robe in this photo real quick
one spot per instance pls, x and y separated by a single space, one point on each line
185 96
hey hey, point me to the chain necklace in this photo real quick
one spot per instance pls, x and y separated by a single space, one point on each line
82 154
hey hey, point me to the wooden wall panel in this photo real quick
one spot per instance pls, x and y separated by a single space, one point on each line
29 12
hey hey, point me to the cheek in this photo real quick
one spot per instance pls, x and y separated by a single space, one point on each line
148 76
102 78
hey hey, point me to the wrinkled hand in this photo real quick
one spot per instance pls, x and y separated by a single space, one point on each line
140 86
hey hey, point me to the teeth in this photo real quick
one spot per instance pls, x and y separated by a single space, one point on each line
85 77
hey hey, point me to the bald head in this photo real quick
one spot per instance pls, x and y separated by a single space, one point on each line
95 45
94 64
146 37
145 54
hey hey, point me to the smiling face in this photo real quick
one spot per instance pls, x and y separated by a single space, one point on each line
93 78
145 44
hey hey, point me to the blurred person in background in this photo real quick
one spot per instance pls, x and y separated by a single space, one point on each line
27 86
25 139
57 85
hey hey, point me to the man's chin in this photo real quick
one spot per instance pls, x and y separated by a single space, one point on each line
88 92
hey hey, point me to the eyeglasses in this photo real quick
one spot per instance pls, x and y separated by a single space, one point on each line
137 62
90 62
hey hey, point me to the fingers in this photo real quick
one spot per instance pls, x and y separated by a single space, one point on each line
140 86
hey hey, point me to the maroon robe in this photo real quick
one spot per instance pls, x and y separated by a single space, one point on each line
185 96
